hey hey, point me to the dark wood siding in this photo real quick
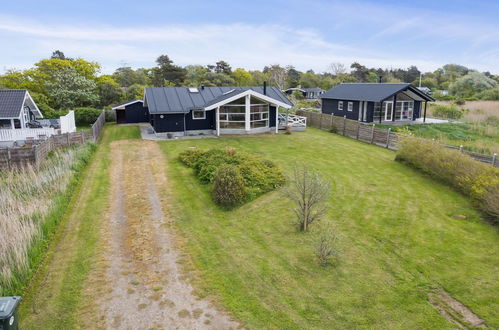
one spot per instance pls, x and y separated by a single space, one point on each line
201 124
330 106
169 123
272 116
135 113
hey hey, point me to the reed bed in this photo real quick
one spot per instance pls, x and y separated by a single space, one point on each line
27 196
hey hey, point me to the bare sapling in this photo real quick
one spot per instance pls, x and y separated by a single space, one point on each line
325 248
309 191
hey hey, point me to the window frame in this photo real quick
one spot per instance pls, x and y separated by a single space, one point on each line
350 106
198 110
340 106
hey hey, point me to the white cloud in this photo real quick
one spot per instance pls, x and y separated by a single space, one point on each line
242 45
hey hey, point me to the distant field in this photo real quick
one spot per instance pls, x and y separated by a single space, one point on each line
478 130
479 110
399 239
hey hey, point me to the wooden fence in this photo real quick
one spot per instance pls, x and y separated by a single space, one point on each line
370 134
35 152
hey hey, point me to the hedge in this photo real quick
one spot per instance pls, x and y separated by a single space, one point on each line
477 180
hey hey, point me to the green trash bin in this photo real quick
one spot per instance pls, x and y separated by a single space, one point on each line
8 313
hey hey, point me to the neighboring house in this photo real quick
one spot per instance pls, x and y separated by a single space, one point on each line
425 90
17 109
212 110
131 112
308 93
376 102
19 116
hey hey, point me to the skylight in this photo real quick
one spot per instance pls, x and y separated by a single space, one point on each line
193 90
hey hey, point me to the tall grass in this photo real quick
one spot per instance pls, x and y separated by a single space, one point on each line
31 205
477 110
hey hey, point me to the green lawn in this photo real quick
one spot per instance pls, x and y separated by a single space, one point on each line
397 237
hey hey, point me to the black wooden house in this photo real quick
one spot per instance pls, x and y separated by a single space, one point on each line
181 111
376 102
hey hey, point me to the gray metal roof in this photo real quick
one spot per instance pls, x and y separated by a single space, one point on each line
310 90
11 102
181 100
126 103
305 90
374 92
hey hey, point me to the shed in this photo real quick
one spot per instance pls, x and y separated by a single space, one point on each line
131 112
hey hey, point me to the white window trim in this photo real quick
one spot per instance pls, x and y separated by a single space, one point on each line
204 114
340 105
350 106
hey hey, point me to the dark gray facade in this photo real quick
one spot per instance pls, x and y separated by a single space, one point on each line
375 102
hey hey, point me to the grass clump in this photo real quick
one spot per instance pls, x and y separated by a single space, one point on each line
477 180
257 175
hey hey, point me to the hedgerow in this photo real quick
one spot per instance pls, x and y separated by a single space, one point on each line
477 180
258 174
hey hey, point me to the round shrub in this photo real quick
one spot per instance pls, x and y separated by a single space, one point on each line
228 186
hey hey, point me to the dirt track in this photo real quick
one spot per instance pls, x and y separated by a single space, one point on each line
144 286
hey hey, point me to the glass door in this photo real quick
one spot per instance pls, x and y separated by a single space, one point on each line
388 111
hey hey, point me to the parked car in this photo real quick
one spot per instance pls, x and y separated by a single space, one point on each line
34 124
53 123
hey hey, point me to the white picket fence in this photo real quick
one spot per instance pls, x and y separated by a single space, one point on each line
25 133
67 122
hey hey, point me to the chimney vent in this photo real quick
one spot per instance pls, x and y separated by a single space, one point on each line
264 88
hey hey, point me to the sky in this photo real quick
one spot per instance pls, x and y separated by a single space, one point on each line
252 34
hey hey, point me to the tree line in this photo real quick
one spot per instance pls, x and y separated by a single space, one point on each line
60 82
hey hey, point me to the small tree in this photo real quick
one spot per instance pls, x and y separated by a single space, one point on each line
309 191
325 248
228 186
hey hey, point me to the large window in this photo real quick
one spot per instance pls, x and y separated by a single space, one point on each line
259 115
403 110
340 105
406 109
233 115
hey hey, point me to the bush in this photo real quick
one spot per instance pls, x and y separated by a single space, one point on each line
259 175
191 156
479 181
228 186
447 111
86 116
489 94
